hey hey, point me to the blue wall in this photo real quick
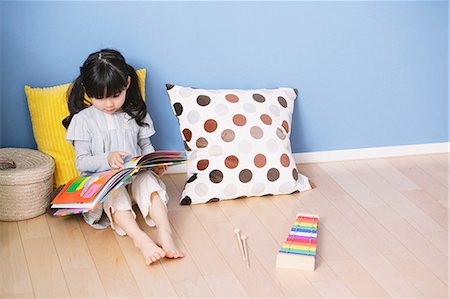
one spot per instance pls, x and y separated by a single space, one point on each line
369 73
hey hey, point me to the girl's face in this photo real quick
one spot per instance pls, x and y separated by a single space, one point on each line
111 104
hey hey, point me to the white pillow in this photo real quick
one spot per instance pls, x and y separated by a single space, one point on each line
237 142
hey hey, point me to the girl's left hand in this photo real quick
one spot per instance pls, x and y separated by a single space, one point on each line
159 170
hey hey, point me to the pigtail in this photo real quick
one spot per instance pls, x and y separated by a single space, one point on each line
75 101
134 104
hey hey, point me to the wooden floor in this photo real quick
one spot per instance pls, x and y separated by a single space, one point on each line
383 234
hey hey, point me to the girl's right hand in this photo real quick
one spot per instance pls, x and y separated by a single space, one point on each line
115 159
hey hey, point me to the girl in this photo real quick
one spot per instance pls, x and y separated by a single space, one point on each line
116 125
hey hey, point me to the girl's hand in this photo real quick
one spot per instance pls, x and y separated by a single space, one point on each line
159 170
115 159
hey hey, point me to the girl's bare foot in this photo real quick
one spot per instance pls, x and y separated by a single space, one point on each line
167 243
149 249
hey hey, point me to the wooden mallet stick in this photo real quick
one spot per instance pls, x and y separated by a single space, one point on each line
244 242
238 236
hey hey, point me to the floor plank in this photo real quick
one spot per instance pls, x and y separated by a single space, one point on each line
416 272
420 178
79 269
432 168
183 273
423 224
442 159
358 279
110 262
416 243
359 217
15 281
350 183
394 282
432 208
152 281
43 262
206 255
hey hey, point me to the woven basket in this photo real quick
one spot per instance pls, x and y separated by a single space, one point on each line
25 190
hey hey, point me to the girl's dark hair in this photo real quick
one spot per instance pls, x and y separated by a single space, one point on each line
105 74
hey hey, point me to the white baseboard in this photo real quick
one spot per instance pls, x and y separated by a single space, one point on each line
372 153
358 154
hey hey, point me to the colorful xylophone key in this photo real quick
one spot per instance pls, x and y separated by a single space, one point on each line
299 248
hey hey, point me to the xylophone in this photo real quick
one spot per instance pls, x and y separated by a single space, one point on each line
299 248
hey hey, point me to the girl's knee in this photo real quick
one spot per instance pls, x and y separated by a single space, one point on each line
147 177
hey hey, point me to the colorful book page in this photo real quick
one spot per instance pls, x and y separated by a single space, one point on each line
91 191
72 192
76 184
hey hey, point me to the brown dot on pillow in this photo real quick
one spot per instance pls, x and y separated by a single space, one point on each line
203 100
231 162
280 134
259 160
213 200
232 98
169 86
284 159
187 135
216 176
186 201
245 175
227 135
256 132
201 142
259 97
282 102
273 174
192 178
295 173
210 125
186 146
202 164
266 119
285 125
178 108
239 120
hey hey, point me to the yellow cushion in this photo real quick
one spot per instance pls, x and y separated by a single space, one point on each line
48 107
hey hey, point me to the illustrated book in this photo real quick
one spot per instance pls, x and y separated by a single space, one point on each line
86 192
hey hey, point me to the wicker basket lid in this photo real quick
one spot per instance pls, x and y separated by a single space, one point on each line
31 166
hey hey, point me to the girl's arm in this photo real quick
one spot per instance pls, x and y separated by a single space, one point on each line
144 136
85 162
146 146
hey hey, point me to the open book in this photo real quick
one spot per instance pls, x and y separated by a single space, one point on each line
86 192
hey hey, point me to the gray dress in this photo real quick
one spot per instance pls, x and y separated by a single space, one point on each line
94 135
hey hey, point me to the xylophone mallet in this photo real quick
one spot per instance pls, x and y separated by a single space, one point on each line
238 236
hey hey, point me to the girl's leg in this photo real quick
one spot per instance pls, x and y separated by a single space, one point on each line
126 221
158 213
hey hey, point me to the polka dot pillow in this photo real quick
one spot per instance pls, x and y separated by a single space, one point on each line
237 142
